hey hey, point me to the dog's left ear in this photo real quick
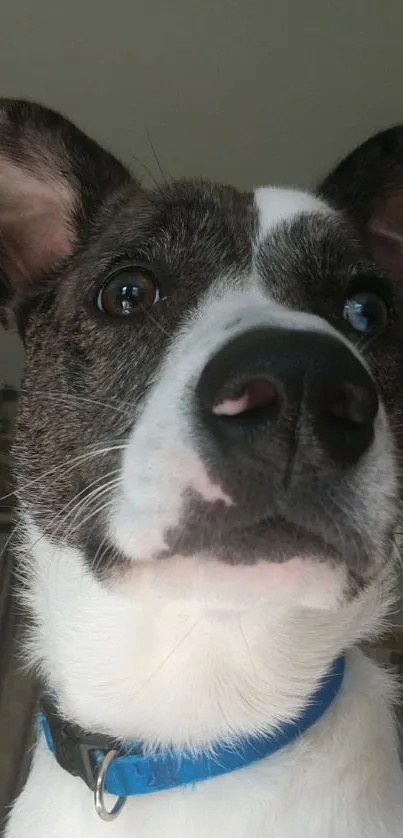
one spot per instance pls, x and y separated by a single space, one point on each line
368 186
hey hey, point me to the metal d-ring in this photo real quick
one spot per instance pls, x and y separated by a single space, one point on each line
99 802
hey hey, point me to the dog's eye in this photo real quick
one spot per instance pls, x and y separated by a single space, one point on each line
366 311
128 292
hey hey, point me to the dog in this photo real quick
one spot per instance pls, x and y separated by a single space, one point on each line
207 462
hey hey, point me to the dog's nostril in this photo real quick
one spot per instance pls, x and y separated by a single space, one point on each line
345 419
254 394
351 402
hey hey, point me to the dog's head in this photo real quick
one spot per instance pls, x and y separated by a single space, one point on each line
211 407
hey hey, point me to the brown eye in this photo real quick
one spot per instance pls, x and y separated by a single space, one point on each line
128 292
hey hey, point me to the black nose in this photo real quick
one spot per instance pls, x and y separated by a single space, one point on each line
291 389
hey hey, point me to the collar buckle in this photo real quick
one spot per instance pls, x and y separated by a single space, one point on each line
77 752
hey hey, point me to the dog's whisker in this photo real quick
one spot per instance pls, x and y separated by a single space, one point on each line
124 408
72 463
90 517
72 530
102 550
147 171
248 650
9 539
167 658
61 517
156 322
83 504
156 158
72 525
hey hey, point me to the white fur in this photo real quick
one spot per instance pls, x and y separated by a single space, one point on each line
190 650
137 663
315 788
278 205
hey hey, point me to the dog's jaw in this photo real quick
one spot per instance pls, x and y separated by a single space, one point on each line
130 661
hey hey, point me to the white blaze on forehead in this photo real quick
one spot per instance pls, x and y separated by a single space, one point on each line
277 205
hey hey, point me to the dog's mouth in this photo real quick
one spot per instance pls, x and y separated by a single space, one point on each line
243 535
280 564
270 560
269 541
238 534
272 540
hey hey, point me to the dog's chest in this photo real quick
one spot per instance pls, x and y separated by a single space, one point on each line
237 805
259 802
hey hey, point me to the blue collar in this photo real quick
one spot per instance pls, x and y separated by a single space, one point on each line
133 772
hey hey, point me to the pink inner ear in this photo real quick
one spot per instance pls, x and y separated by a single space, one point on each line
388 215
34 220
385 235
386 248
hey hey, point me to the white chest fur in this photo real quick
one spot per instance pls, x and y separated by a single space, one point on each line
341 780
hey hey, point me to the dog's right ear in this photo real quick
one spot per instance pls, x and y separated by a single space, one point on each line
53 178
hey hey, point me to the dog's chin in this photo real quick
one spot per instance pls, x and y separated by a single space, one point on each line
299 582
267 563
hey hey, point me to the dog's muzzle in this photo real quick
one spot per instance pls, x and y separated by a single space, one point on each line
284 421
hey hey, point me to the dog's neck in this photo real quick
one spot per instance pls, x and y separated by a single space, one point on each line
127 663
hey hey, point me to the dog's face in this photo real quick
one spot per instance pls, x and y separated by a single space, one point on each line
211 403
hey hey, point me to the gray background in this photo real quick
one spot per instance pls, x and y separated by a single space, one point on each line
243 91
